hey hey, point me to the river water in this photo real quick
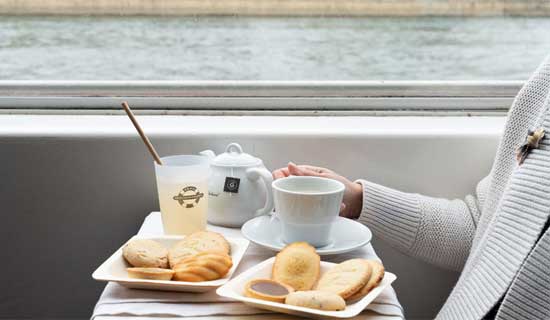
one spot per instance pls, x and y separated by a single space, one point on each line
239 48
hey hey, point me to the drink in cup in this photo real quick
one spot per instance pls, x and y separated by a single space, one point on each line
182 183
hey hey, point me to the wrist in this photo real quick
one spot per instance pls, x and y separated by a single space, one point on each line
356 199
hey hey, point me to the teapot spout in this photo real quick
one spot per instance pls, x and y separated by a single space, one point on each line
208 153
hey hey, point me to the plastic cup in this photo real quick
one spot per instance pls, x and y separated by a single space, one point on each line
182 183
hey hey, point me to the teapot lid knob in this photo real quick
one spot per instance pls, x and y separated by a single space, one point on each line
234 147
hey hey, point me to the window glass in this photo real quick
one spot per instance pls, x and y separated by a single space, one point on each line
241 47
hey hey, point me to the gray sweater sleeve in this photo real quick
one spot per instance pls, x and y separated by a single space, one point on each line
438 231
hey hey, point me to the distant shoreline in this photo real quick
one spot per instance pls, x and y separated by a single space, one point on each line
399 8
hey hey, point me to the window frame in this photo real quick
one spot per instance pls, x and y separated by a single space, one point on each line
260 97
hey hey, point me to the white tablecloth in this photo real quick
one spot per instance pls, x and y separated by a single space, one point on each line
122 302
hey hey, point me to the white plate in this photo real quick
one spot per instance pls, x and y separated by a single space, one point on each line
346 235
234 289
114 269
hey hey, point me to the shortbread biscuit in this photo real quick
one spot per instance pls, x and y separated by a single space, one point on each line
297 265
203 266
145 253
321 300
150 273
195 243
375 278
346 278
267 289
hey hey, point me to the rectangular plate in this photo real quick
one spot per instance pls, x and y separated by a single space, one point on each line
114 269
234 289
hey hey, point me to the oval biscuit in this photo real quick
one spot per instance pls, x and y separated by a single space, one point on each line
376 277
346 278
197 242
145 253
150 273
321 300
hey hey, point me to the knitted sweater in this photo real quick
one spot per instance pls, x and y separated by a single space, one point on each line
497 236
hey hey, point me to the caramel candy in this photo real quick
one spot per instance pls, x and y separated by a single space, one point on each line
267 289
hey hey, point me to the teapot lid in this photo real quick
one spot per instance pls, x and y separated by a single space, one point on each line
235 157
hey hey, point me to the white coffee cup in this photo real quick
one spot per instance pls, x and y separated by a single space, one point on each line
307 207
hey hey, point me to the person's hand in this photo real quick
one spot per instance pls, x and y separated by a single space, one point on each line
353 195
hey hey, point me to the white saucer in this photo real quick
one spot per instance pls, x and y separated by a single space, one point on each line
346 235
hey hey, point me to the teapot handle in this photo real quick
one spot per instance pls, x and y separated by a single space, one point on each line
255 174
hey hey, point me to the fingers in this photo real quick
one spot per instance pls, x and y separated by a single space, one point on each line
299 170
303 170
280 173
294 170
315 169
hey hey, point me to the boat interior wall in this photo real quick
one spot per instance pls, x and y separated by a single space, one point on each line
75 187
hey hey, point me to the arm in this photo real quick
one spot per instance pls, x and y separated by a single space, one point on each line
438 231
435 230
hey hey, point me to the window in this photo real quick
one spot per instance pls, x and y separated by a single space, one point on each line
314 55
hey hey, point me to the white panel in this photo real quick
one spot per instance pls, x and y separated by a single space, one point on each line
75 187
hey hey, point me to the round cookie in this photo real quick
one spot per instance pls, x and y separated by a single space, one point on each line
150 273
376 277
203 266
267 289
297 265
145 253
321 300
195 243
346 278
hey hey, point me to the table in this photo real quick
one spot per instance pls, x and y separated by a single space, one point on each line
152 226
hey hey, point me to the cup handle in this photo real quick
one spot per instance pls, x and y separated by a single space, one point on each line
255 174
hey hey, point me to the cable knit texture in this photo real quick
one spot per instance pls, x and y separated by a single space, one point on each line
494 235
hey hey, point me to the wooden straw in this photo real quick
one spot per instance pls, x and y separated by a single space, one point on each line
141 133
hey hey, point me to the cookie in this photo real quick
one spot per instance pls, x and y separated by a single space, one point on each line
267 289
321 300
203 266
145 253
195 243
150 273
375 278
297 265
346 278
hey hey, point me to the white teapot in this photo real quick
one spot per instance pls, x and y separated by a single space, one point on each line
239 187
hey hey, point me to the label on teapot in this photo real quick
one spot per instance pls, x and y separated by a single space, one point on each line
231 185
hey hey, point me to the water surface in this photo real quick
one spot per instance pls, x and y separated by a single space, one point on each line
239 48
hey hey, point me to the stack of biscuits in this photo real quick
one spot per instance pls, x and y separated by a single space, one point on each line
296 280
201 256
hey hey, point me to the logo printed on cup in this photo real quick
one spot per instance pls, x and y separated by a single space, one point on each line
189 196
